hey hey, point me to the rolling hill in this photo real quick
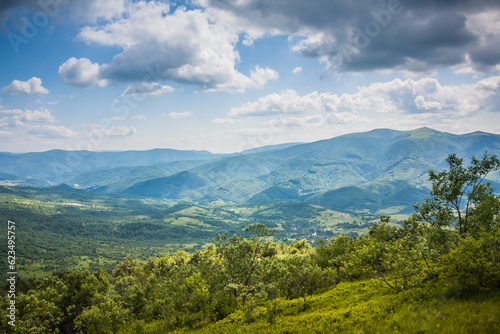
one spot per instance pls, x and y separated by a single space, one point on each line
370 171
58 166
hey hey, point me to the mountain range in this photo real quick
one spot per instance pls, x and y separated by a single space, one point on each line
377 171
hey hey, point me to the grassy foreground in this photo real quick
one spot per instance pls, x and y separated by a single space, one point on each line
367 307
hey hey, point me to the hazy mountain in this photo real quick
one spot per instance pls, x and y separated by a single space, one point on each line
269 148
57 166
120 178
376 169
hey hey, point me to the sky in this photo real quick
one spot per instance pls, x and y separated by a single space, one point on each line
225 76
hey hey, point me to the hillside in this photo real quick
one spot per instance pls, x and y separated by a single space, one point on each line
359 172
56 166
370 162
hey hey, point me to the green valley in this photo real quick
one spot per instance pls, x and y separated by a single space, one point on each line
68 229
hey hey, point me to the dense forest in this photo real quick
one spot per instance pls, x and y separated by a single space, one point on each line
438 272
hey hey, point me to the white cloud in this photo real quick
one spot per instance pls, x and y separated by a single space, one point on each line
397 96
51 131
32 86
81 72
180 114
34 122
117 118
139 117
188 46
31 116
296 70
287 102
147 88
121 131
5 133
95 10
10 112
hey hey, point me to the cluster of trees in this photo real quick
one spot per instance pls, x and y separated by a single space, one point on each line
452 240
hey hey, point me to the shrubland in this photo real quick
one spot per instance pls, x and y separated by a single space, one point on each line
439 272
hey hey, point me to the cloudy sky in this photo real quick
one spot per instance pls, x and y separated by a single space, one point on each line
229 75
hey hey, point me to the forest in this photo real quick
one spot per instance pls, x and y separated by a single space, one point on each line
437 272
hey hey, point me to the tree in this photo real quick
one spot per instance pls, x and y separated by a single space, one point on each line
474 263
105 315
243 262
300 276
457 193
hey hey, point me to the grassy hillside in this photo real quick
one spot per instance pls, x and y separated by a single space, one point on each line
368 307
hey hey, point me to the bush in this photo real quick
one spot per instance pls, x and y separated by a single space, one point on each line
473 264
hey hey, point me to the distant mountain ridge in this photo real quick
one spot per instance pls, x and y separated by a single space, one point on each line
369 161
56 165
370 171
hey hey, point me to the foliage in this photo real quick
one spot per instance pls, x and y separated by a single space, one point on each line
474 263
65 229
422 277
457 194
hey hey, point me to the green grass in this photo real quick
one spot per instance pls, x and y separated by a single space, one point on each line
368 307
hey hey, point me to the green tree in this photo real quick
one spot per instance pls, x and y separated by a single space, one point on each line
300 276
104 316
457 193
38 315
243 260
474 263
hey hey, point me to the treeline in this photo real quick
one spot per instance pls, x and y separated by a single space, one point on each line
452 241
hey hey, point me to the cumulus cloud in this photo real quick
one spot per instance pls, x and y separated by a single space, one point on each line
32 86
31 116
51 131
296 70
180 114
38 122
34 122
408 96
362 35
198 44
160 43
413 101
286 102
147 88
139 117
81 72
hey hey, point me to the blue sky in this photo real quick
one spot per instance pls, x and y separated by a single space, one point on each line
225 76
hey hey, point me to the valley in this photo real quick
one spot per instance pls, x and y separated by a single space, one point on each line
150 203
66 229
